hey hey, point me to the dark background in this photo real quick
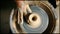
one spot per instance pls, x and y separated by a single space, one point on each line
5 10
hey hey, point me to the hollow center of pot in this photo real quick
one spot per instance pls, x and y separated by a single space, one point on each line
34 18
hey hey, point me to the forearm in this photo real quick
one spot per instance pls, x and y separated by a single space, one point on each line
19 3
